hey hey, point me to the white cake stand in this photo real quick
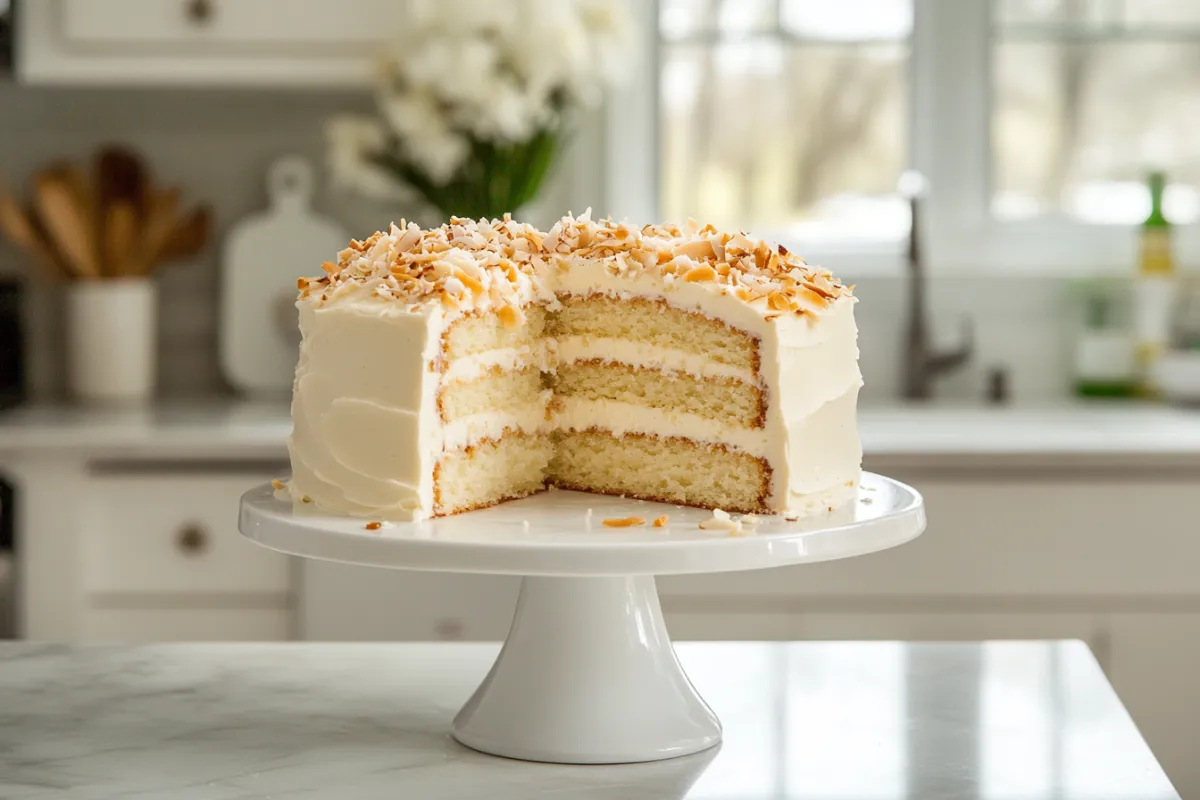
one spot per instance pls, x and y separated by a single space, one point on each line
587 674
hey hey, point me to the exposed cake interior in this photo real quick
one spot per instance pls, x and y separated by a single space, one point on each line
579 371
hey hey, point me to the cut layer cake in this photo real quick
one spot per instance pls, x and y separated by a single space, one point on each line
449 369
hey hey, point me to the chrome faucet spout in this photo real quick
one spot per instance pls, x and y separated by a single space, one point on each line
921 362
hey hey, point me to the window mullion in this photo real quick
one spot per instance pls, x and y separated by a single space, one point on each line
950 125
631 134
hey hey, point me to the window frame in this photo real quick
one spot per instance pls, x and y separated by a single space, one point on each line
950 110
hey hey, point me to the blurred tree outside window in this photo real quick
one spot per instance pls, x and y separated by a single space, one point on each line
787 116
1089 94
792 118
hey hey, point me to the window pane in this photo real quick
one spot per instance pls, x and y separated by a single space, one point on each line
1084 14
796 138
1076 124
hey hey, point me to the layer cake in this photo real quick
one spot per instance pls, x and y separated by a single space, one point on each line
449 369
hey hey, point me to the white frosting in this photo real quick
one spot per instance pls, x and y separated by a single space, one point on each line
575 413
647 356
473 367
367 433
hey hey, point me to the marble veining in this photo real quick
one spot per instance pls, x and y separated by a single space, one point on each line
853 720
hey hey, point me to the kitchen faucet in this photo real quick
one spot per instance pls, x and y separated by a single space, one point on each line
921 362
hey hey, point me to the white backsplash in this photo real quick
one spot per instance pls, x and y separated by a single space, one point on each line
217 145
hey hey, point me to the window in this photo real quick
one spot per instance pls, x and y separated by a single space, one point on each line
1089 94
1033 121
789 116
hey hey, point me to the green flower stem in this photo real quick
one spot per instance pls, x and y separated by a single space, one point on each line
495 179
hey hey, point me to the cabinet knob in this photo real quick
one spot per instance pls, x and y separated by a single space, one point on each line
200 12
192 540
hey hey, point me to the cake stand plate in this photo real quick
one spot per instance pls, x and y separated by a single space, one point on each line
587 674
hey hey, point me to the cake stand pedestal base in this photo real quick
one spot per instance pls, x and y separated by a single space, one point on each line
587 676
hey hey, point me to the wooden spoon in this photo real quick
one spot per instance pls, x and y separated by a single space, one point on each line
160 220
188 237
122 175
120 237
66 223
19 229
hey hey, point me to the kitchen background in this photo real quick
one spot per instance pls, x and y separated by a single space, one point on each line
1023 130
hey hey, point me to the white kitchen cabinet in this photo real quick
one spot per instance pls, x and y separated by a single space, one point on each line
139 549
174 534
692 626
345 602
1000 535
203 42
1155 669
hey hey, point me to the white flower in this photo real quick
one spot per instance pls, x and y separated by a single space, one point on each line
352 142
509 115
466 71
439 157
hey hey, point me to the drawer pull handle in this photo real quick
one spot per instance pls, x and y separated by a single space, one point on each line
200 12
192 540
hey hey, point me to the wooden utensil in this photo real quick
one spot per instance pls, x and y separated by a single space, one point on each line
188 237
67 223
160 219
19 229
122 175
120 236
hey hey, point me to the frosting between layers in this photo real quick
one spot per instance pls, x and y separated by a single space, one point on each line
647 356
578 413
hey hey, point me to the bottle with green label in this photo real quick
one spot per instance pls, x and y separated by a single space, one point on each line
1155 286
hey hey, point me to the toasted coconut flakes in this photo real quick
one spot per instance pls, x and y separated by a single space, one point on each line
277 485
699 250
701 273
511 316
623 522
721 521
660 522
305 499
475 286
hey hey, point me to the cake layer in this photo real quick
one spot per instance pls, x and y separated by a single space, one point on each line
495 390
668 470
579 414
491 471
466 431
654 322
718 399
480 332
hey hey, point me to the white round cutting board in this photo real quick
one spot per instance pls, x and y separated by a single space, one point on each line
264 255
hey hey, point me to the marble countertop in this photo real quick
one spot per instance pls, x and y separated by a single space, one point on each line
892 435
1035 720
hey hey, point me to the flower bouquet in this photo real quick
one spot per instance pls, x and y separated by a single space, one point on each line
475 99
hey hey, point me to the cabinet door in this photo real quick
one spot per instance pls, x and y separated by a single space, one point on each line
729 627
1156 671
219 43
174 534
344 602
991 535
226 24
